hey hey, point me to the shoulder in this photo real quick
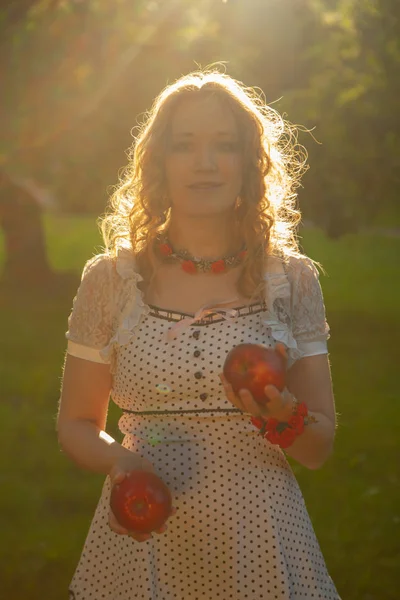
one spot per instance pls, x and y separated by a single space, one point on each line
98 264
113 275
99 274
300 267
115 266
288 261
298 270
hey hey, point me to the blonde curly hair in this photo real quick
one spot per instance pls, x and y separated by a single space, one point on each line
274 162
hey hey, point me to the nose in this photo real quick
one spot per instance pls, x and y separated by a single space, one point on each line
205 159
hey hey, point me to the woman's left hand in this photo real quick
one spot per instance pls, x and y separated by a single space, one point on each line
279 405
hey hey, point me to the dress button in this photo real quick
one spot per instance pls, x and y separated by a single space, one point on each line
196 353
203 396
196 334
198 375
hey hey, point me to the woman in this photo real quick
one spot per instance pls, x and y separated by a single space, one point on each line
201 256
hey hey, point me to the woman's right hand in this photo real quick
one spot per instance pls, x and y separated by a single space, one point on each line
121 468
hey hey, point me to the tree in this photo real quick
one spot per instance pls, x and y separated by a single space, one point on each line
20 218
350 95
79 75
71 69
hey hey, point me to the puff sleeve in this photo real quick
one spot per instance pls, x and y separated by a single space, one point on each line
309 326
90 321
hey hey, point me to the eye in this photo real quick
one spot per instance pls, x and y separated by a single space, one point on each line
228 146
181 147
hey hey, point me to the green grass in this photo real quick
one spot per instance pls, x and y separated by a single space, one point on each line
47 502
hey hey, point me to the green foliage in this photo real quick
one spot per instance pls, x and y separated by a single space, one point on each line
350 96
79 75
47 502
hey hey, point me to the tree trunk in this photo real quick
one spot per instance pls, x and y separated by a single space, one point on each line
26 260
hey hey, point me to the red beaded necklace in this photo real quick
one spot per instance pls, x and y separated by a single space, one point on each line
192 264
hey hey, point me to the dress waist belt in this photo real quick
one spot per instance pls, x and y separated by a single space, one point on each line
168 412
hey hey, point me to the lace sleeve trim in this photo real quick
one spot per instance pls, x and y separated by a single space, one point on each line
90 320
309 320
129 305
285 289
278 296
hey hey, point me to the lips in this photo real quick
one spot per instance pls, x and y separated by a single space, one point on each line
205 185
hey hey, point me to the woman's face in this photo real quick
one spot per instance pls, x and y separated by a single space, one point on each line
204 159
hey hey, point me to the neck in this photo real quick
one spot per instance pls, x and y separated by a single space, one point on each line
204 238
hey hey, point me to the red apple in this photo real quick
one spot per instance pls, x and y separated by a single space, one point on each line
141 502
252 367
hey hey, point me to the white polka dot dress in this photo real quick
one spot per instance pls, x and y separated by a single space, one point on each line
242 531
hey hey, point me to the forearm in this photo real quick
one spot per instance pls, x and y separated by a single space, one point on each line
89 447
314 446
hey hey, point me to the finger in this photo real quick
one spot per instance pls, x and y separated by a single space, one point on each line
230 394
272 393
281 349
250 405
140 537
117 475
115 526
162 529
281 403
118 529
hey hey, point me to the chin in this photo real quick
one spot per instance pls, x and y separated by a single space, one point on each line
205 206
207 213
